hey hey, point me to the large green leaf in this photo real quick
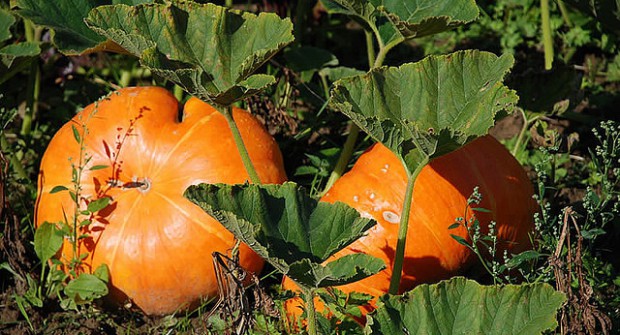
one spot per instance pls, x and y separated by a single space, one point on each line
12 53
426 109
6 21
292 231
209 50
394 21
66 19
461 306
14 57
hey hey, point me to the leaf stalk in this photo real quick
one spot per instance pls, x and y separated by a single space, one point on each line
33 34
546 30
345 156
403 227
310 310
243 151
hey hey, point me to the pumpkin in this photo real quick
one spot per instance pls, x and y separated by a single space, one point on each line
157 245
376 184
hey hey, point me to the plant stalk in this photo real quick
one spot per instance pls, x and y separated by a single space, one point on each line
33 34
243 151
349 144
546 30
403 227
370 48
526 125
178 92
310 310
564 12
344 158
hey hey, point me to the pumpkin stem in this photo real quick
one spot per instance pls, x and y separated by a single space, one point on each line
403 227
243 151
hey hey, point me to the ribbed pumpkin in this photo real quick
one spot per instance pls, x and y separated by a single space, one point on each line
156 243
376 184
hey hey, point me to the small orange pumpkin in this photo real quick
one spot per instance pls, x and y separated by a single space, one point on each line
156 243
376 184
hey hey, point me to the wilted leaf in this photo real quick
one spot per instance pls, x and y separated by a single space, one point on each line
461 306
426 109
292 231
210 51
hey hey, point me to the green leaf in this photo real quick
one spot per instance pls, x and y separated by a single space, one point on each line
47 241
98 167
98 204
427 109
394 21
76 134
66 19
344 270
461 306
58 188
210 51
12 52
461 240
292 231
6 21
17 57
6 266
520 258
309 58
103 273
339 72
86 287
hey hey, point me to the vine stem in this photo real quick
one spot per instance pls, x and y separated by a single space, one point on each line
370 47
243 151
546 30
33 34
526 125
564 13
403 226
345 156
310 310
349 144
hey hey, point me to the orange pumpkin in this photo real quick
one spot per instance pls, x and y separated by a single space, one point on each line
376 184
156 243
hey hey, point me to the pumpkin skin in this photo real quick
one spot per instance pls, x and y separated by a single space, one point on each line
156 244
376 185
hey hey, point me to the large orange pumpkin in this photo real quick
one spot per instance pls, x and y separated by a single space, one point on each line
376 184
156 243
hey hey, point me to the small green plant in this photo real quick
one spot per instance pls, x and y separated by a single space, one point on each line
484 245
69 280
